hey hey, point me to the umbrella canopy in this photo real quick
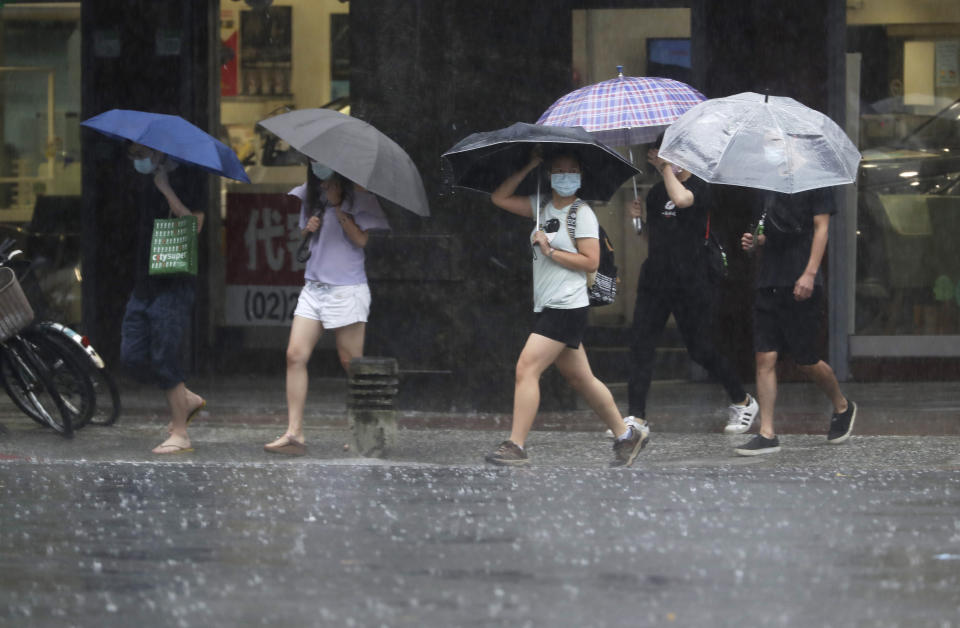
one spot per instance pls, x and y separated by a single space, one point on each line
356 150
483 160
771 143
173 136
625 110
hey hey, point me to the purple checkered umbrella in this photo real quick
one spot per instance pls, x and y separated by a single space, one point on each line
625 110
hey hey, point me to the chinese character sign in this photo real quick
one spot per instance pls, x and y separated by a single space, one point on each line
263 275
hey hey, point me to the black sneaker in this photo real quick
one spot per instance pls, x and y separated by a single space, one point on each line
508 454
626 448
758 446
841 425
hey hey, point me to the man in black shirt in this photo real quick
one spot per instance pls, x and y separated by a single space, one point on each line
792 229
675 279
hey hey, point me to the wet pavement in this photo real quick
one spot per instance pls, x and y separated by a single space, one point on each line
99 532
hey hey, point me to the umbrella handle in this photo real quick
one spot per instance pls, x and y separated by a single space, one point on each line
634 177
637 223
538 197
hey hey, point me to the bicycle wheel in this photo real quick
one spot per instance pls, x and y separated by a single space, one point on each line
106 393
107 409
67 373
28 382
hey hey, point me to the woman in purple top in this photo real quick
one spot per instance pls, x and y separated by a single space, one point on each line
335 217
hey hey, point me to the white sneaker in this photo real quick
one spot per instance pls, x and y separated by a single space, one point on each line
630 420
740 418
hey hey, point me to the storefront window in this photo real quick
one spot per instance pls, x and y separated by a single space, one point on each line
290 54
40 145
908 210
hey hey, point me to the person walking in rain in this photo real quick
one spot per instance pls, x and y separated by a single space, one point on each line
335 218
792 235
560 267
675 279
158 310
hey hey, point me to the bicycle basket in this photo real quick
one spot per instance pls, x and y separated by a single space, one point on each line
15 310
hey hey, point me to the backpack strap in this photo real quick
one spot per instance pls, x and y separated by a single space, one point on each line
572 221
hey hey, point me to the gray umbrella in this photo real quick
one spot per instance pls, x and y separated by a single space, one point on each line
356 150
767 142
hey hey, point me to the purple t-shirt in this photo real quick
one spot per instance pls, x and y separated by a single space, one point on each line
334 259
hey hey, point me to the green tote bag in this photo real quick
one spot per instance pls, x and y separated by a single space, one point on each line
173 247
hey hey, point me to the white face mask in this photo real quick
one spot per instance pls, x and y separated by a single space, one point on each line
565 183
320 171
144 166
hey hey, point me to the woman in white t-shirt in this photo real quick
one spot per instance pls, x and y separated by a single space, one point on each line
560 300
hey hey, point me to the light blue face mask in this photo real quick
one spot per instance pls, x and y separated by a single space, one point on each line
320 171
144 166
565 183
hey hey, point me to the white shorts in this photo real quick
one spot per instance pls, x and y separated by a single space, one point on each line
334 306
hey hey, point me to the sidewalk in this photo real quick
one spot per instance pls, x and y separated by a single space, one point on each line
905 409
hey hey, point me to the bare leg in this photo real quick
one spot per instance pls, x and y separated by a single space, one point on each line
304 334
538 354
823 376
192 400
181 401
575 368
350 343
767 390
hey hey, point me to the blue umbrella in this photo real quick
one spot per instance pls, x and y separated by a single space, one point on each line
173 136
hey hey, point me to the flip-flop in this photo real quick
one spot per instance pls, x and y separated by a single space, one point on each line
196 411
292 447
175 449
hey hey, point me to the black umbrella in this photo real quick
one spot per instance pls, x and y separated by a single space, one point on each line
483 160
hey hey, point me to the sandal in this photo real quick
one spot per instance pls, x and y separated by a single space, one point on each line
287 445
172 448
196 411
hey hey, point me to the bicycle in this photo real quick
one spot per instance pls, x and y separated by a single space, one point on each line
106 406
106 409
44 381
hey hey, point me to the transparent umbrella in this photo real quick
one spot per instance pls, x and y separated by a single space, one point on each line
767 142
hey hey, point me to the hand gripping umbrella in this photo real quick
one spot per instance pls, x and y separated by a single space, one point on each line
767 142
356 150
173 136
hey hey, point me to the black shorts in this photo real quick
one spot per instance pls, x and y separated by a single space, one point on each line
785 325
566 326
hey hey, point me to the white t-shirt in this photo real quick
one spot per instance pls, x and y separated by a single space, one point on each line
553 285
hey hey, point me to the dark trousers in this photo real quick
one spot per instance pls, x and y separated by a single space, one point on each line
693 304
152 332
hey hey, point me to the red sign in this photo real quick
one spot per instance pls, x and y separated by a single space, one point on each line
262 238
228 52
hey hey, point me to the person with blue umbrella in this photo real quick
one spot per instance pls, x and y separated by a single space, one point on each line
158 311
